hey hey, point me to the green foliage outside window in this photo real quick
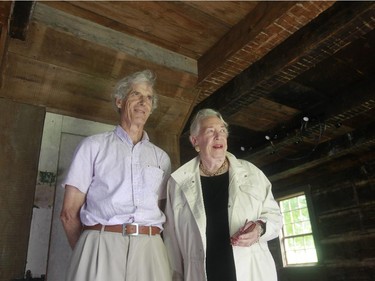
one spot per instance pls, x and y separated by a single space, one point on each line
297 238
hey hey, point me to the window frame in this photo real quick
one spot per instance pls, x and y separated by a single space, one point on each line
302 190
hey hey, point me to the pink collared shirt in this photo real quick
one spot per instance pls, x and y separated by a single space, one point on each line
122 181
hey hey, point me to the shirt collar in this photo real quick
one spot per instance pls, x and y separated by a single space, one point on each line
124 136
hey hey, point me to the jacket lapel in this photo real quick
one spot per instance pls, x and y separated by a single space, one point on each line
191 187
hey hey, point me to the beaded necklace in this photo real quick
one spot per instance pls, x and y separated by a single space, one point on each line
222 169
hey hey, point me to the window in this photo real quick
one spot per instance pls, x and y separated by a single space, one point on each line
296 238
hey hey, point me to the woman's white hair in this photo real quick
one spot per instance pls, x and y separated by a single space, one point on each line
202 114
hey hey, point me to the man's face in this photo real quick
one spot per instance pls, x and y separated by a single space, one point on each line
137 106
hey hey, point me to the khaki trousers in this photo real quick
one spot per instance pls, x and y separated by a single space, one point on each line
108 256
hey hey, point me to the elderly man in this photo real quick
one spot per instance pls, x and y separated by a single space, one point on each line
111 211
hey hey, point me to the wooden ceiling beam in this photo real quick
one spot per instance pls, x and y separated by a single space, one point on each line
6 8
331 31
359 140
344 159
104 36
264 15
20 21
343 111
264 28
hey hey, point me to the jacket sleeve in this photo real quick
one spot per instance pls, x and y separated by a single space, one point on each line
270 213
170 236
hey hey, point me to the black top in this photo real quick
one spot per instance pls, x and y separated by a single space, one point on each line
219 260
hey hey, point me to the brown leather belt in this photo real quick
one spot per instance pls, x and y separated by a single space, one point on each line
126 229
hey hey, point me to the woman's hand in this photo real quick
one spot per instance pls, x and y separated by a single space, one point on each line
247 235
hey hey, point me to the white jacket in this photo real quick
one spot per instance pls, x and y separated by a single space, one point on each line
250 197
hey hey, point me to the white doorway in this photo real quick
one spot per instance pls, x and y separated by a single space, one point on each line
59 250
49 251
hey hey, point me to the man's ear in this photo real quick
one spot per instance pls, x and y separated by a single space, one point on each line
118 102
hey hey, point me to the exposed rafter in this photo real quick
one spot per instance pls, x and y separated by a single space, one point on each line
20 21
333 30
334 115
327 34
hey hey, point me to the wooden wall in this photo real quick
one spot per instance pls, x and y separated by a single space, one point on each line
20 138
344 211
169 143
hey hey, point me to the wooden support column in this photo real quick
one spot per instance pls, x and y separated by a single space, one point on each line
5 11
21 128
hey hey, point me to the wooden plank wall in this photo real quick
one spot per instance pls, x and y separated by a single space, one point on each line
21 129
344 210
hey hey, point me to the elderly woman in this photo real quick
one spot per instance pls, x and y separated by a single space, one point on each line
220 212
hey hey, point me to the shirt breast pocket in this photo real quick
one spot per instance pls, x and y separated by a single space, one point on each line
152 178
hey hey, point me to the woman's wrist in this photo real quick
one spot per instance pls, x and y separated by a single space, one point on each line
261 228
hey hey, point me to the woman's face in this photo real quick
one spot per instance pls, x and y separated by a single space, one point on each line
211 138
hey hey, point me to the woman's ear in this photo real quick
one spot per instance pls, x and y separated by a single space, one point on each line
193 140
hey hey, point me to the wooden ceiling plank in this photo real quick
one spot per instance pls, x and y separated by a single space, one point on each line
263 15
169 116
264 114
58 48
360 104
263 29
64 50
80 9
42 79
348 108
343 24
173 21
260 45
101 35
62 90
326 152
225 11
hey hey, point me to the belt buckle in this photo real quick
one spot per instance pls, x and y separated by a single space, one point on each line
130 234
